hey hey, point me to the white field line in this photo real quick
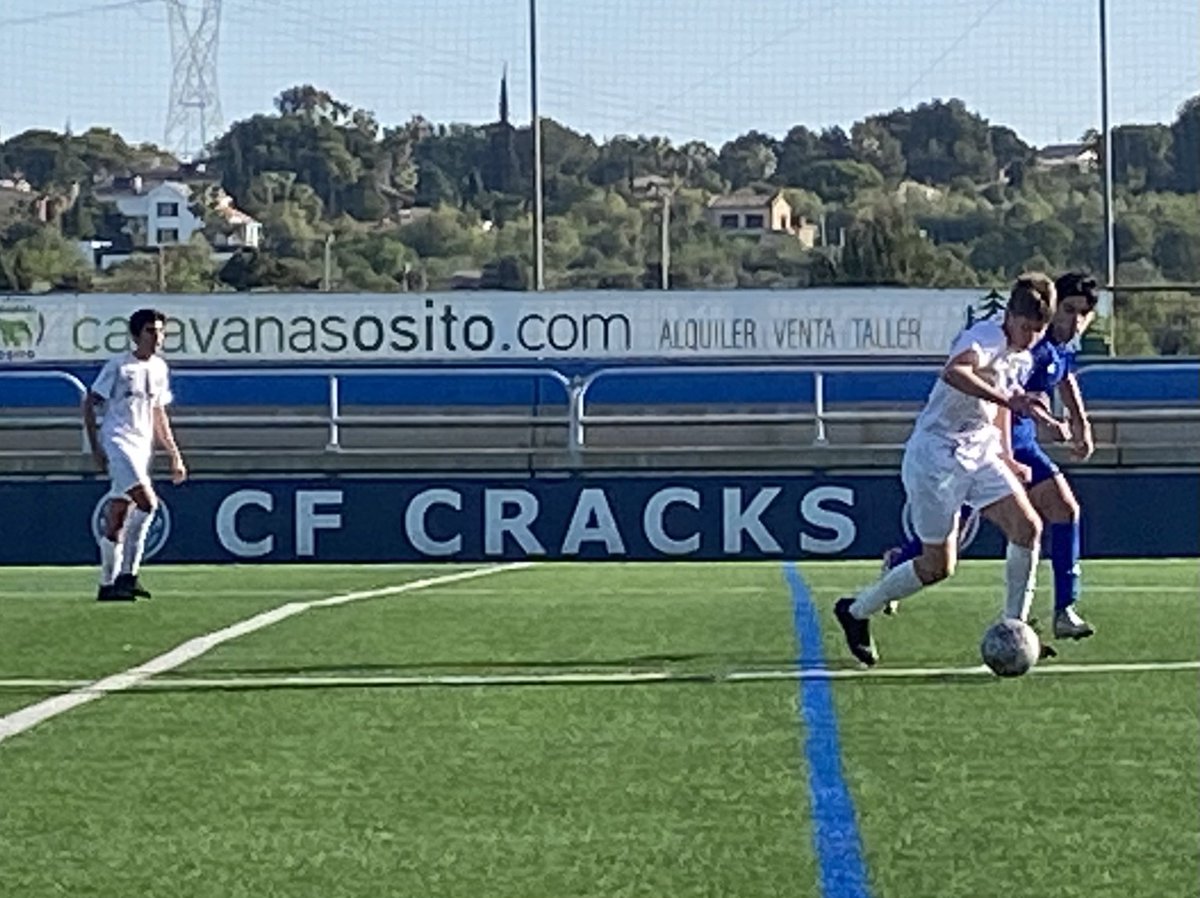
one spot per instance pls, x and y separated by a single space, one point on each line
585 678
30 716
485 591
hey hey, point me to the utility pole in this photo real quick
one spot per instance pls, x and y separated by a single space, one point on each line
665 264
327 278
539 273
194 107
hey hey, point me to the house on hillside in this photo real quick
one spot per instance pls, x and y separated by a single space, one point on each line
753 214
1080 156
165 213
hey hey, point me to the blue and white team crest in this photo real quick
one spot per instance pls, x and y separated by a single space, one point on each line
156 536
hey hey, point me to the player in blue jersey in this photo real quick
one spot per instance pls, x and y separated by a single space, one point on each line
1049 492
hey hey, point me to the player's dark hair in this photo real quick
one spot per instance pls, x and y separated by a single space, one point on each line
1078 283
1033 297
142 317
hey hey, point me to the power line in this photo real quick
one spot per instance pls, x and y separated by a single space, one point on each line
42 18
950 48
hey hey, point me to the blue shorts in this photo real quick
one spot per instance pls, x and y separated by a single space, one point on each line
1039 462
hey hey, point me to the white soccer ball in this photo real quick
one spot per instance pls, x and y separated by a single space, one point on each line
1010 647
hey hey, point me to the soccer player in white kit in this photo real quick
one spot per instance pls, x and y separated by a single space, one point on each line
960 452
132 392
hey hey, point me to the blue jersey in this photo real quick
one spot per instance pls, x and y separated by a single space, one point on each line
1051 363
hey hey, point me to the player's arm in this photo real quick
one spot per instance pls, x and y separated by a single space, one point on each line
101 390
962 373
1003 422
1081 427
90 401
166 439
1040 412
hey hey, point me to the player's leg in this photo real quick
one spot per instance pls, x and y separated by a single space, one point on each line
116 508
141 503
1005 504
1055 501
934 494
913 547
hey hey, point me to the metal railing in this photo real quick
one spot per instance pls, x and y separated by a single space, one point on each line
820 415
332 418
47 421
576 417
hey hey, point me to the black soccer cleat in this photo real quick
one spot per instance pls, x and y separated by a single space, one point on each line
109 594
1045 650
858 633
127 587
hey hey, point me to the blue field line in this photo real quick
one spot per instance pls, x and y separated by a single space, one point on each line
836 839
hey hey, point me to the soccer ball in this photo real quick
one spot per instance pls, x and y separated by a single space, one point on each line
1010 647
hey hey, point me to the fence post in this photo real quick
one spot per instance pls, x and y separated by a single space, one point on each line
819 408
575 430
334 414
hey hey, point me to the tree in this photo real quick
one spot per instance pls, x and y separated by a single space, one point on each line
1185 150
1134 237
883 247
1177 252
748 159
328 145
839 181
942 140
310 102
38 157
1010 150
874 145
187 268
797 151
1052 239
42 259
1142 157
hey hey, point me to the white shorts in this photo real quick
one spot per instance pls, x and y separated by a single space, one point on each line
941 477
126 470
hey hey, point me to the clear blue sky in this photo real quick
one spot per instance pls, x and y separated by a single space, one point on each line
707 69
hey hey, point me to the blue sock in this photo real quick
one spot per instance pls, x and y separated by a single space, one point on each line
908 551
1064 557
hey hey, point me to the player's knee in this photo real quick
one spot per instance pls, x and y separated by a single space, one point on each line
935 568
943 571
1070 506
1026 530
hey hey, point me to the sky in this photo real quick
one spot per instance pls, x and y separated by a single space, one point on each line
684 69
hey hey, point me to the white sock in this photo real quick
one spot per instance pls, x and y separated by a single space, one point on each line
899 582
1020 580
109 551
137 523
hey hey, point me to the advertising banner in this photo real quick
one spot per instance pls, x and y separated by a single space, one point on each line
611 518
497 327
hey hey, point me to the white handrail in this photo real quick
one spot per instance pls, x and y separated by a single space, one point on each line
65 376
576 416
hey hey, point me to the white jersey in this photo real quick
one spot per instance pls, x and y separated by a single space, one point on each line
131 389
952 415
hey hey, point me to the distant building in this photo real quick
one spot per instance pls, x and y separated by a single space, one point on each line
753 214
163 213
1080 156
156 214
